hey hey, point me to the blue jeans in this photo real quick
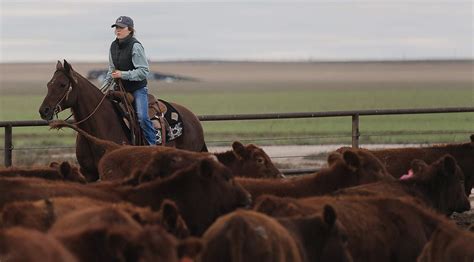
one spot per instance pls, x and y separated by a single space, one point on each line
141 108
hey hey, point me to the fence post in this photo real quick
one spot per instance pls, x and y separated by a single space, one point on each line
355 131
8 145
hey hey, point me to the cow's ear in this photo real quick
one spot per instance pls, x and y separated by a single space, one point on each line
352 160
206 168
133 179
114 243
333 158
471 228
170 213
472 139
239 150
144 177
59 65
76 175
190 248
417 165
65 169
449 165
329 215
265 203
53 164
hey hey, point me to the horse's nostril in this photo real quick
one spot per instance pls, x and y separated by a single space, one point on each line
45 112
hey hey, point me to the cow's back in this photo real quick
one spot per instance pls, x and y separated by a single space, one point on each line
398 160
249 236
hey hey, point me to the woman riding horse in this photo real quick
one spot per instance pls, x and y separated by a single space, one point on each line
127 61
96 115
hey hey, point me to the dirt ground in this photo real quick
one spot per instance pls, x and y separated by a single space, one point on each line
214 75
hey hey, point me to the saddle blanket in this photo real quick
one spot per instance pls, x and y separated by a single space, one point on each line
175 124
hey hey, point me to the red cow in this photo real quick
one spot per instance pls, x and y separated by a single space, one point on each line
243 236
103 242
41 214
21 244
398 160
250 236
353 167
121 161
378 228
249 161
54 171
437 185
207 181
449 243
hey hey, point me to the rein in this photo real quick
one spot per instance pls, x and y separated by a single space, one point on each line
66 96
93 112
58 108
134 128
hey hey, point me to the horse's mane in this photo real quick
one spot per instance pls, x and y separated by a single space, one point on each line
85 80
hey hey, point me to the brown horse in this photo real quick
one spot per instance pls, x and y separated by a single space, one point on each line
97 116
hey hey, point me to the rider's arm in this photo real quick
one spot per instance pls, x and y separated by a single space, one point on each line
140 62
108 77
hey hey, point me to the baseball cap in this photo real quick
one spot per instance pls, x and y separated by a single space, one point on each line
123 21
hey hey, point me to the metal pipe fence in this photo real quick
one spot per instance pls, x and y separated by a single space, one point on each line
354 114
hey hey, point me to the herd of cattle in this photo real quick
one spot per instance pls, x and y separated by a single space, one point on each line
166 204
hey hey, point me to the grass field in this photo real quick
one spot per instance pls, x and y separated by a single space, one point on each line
239 88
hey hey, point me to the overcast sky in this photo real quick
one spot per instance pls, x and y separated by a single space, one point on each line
48 30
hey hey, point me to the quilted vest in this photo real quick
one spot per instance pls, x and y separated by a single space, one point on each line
122 58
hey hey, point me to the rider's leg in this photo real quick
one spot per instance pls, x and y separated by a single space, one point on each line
141 107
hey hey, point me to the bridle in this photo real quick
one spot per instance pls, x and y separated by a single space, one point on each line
58 107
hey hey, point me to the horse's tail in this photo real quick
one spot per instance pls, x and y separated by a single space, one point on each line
105 144
204 148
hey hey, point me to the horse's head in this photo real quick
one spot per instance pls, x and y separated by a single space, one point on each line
60 94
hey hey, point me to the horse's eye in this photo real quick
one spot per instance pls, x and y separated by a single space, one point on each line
344 239
260 160
63 85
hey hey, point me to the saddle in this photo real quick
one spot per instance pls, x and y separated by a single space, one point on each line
164 117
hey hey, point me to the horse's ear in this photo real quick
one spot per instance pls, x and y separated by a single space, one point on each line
69 71
59 65
67 66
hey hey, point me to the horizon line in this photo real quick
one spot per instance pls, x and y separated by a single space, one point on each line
263 60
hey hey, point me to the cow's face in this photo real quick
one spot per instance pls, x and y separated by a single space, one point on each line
69 172
208 190
359 166
254 162
445 182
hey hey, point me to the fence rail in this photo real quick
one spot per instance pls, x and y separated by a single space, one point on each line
355 115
